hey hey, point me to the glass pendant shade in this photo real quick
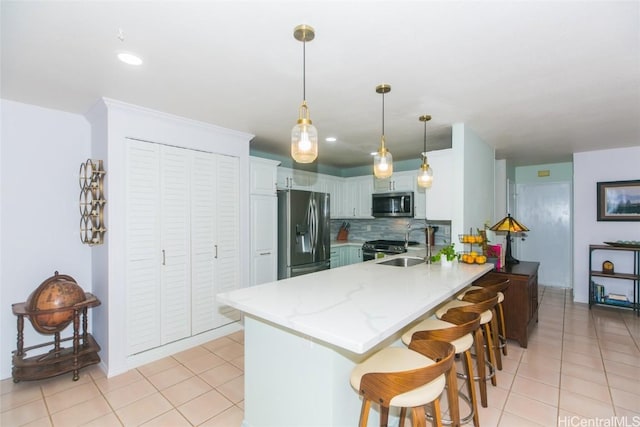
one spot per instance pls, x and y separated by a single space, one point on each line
382 160
304 138
383 163
425 174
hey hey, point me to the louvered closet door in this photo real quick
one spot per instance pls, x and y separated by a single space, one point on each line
228 234
203 222
142 246
175 164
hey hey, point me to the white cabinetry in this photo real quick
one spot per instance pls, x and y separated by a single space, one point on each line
263 176
337 256
264 222
345 254
295 179
354 254
333 186
182 245
399 181
357 197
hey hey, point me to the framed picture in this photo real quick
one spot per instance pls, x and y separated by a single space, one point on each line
619 200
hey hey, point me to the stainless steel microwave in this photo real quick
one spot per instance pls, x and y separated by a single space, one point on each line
397 204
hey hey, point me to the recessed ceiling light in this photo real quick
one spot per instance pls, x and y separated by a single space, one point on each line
129 58
331 139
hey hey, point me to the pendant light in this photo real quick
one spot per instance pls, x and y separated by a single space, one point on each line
425 174
382 160
304 136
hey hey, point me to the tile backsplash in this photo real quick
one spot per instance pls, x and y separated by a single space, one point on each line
391 229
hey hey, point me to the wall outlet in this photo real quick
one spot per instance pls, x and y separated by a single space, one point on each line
368 228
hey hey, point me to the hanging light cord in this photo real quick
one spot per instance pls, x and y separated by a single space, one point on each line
425 139
304 73
382 114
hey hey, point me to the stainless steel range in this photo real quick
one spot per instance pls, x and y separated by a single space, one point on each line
371 248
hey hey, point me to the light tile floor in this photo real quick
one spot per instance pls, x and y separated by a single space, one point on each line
581 366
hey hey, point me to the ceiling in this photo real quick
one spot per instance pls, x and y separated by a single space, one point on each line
537 80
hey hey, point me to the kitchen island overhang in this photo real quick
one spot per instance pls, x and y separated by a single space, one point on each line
303 335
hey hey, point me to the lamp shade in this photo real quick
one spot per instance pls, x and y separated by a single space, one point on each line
508 223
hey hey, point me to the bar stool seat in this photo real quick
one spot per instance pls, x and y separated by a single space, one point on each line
406 378
485 317
394 359
498 286
475 288
482 302
461 344
458 329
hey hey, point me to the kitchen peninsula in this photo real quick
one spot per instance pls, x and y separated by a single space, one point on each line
303 335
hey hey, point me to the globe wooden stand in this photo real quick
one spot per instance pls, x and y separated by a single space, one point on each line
58 360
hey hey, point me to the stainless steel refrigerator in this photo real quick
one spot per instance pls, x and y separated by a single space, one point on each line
303 233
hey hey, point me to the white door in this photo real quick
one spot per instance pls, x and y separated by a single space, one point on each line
143 254
175 283
203 223
545 209
227 247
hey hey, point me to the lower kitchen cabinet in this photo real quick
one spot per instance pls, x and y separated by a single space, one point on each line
520 298
345 254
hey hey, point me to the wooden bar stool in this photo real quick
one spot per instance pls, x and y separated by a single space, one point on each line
482 303
406 378
497 285
457 328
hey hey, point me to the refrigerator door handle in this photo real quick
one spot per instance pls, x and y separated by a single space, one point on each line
313 224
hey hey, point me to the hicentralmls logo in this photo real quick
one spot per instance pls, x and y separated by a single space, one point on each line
576 421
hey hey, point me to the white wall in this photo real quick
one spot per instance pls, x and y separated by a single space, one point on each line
474 182
41 152
589 168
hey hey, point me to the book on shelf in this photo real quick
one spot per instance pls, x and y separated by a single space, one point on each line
598 292
617 297
625 303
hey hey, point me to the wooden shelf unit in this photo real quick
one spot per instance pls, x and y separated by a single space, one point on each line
634 277
58 360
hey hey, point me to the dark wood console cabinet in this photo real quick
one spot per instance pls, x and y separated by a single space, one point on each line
520 298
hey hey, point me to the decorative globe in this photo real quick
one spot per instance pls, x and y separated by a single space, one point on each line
53 296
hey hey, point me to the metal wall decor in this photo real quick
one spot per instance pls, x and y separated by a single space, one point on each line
92 227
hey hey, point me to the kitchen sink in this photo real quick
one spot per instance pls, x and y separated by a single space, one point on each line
403 261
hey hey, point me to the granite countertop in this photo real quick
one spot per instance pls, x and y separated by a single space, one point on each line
357 306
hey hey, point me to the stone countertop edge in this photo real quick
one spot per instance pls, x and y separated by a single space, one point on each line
355 307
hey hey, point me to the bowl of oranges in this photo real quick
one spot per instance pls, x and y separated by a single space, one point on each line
470 238
473 257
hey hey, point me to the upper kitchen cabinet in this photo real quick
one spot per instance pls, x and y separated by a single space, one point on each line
263 176
334 186
357 197
294 179
399 181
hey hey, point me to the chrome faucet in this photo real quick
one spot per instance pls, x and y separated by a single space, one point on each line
425 229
